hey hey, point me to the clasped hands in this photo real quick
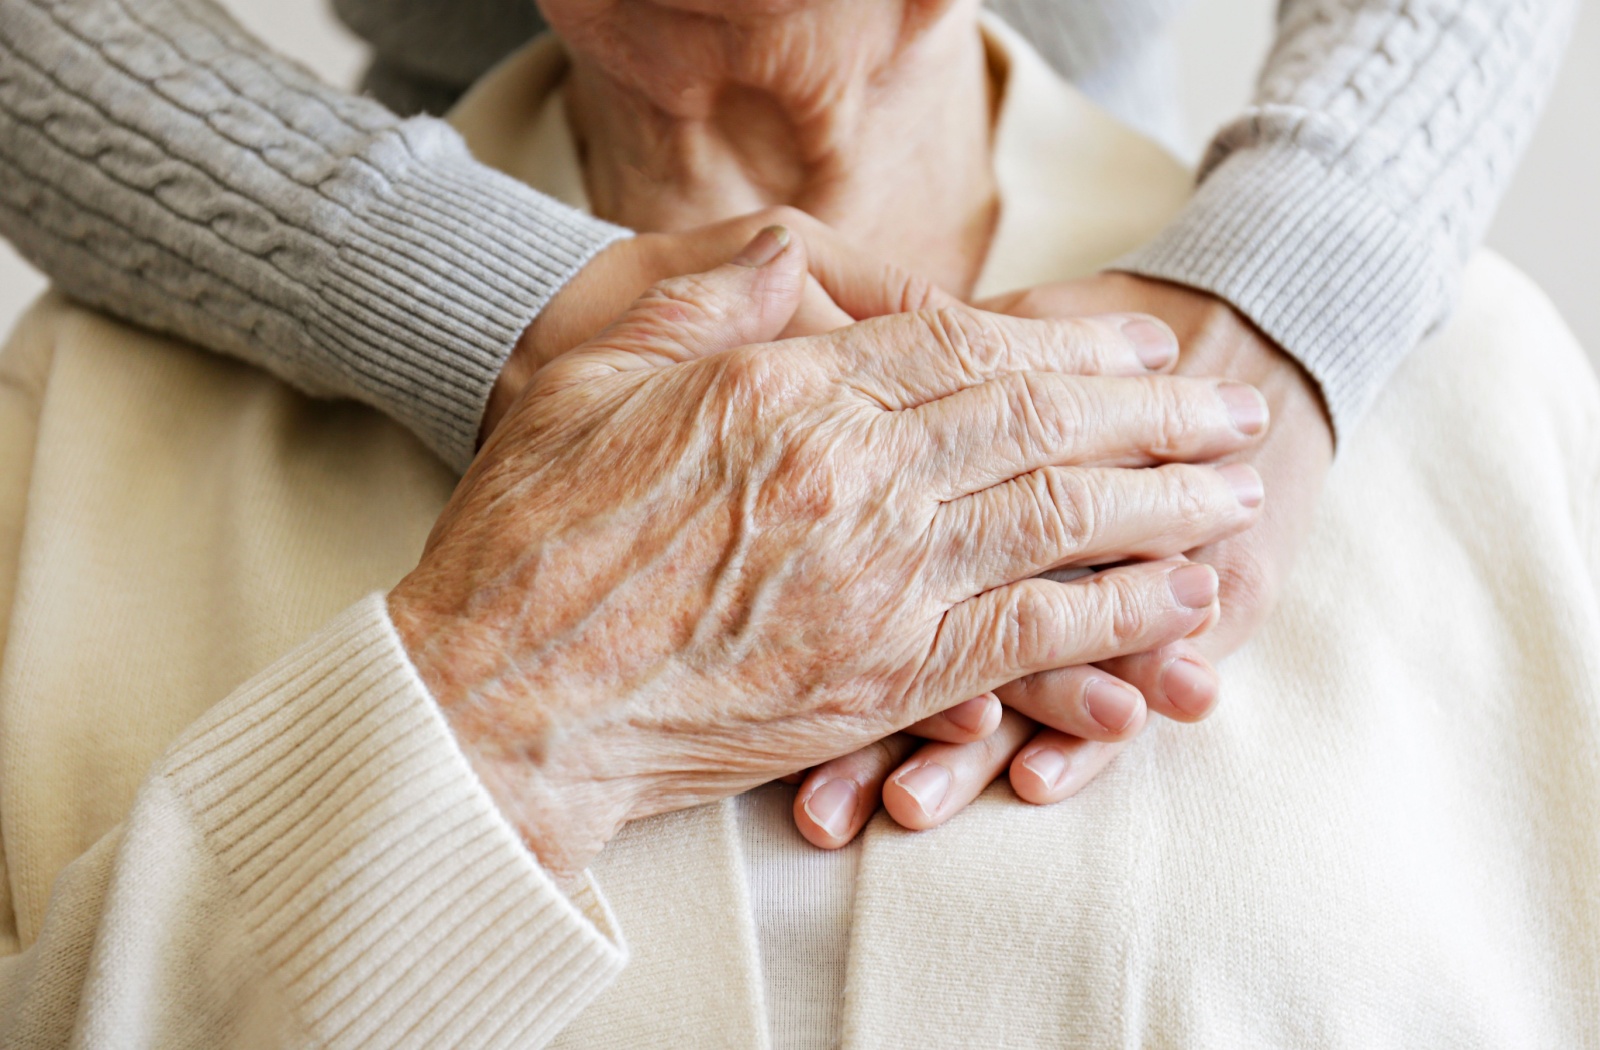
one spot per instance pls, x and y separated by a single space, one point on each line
690 559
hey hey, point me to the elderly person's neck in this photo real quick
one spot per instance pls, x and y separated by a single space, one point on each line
874 117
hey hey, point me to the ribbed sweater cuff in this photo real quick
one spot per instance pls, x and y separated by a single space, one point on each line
385 892
1317 259
441 264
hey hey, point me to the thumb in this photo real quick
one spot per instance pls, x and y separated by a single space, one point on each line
866 287
747 300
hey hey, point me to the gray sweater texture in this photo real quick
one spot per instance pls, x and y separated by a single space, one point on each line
159 163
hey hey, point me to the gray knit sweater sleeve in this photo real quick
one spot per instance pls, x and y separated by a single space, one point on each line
1337 211
158 162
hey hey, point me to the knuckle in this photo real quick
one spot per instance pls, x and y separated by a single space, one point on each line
753 397
974 340
751 375
808 482
1021 412
1051 411
1068 510
1008 628
1121 610
1077 344
1169 417
1191 495
687 298
1030 625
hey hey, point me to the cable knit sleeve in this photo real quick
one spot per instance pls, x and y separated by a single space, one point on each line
1337 211
159 163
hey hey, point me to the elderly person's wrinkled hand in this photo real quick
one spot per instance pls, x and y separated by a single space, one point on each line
690 561
924 786
844 285
1292 460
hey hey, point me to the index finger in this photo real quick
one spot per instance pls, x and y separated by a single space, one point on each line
913 359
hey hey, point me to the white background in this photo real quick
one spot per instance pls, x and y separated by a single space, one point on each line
1549 223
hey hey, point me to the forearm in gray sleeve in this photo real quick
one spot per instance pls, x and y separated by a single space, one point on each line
158 163
1337 211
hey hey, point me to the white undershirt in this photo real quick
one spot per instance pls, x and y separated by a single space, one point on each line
801 898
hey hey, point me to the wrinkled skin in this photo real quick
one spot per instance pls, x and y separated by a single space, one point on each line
692 111
689 561
1216 342
687 110
1292 460
843 285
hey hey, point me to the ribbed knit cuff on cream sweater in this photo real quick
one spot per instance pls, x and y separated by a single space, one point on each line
317 847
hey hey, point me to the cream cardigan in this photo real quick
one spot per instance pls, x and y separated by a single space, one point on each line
231 816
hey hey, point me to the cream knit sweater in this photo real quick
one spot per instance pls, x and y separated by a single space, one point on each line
230 815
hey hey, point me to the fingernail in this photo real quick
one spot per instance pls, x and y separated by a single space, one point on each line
1190 687
831 807
1245 483
1195 586
1155 344
1112 706
927 785
1246 406
971 714
1048 764
764 247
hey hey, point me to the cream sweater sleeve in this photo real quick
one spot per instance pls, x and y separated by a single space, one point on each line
313 863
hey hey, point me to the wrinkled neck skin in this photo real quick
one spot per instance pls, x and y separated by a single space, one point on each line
872 115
